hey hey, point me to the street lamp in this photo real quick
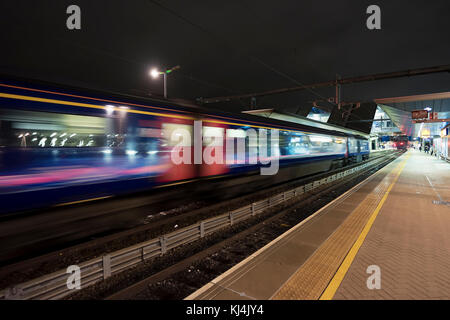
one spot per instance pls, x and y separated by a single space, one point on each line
154 73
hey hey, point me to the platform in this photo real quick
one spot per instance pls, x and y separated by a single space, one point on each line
397 221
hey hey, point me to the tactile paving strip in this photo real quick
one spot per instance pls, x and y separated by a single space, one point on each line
312 278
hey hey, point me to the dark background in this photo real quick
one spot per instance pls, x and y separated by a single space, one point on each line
228 47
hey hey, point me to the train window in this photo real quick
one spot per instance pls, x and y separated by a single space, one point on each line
236 133
294 144
339 145
27 129
352 146
238 144
320 144
171 130
213 136
148 137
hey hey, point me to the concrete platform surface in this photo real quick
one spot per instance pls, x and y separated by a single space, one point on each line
386 238
409 240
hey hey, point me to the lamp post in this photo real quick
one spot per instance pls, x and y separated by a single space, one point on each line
155 74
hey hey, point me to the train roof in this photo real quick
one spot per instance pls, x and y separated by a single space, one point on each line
174 104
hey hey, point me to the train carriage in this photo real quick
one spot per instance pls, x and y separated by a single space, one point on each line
61 144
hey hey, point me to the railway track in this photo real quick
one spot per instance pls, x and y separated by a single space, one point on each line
182 274
162 244
24 266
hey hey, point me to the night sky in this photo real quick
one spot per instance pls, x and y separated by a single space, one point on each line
228 47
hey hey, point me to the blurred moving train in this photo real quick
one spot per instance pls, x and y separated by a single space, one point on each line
401 142
66 145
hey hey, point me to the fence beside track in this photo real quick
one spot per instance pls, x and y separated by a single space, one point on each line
54 285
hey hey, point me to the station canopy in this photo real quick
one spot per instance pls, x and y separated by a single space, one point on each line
308 121
399 111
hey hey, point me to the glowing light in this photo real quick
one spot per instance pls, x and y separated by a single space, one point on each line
236 133
21 136
131 152
154 73
107 151
123 110
320 139
427 108
72 135
63 134
42 142
152 152
53 134
425 133
109 110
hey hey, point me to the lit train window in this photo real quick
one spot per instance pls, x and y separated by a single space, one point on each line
30 129
236 133
172 135
352 145
294 144
213 136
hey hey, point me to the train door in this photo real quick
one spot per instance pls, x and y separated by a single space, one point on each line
213 148
178 149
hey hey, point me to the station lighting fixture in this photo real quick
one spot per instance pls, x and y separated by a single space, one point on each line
154 73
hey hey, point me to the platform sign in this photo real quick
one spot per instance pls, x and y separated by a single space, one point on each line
434 115
419 114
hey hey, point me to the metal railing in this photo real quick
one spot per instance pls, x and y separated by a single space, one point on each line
55 285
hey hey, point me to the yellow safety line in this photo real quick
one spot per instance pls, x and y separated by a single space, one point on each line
175 183
334 284
80 201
